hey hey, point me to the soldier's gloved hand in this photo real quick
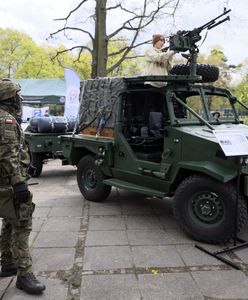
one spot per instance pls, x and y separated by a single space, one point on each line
21 192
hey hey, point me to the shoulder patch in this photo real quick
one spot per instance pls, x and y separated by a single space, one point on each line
9 121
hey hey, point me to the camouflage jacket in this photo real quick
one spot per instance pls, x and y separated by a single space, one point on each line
14 156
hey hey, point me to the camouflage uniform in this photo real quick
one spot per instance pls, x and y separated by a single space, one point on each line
14 162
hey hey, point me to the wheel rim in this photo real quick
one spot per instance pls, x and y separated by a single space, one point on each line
89 179
207 208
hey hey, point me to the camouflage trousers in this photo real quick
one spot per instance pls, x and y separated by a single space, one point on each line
14 242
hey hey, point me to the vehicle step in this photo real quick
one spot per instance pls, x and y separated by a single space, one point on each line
133 187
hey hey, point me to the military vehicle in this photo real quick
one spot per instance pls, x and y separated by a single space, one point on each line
42 137
160 142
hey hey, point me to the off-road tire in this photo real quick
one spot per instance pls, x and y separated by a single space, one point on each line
37 162
205 209
209 73
89 179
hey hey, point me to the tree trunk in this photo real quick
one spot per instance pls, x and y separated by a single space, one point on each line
100 52
136 21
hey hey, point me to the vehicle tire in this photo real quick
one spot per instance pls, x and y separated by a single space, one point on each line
89 179
205 209
37 162
209 73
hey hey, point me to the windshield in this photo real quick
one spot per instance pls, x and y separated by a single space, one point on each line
220 107
212 107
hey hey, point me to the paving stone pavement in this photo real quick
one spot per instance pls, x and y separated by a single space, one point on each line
128 247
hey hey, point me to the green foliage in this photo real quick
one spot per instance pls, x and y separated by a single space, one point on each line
22 58
245 120
15 49
242 91
130 66
217 57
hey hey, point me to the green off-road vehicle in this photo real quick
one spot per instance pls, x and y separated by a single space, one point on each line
42 137
161 142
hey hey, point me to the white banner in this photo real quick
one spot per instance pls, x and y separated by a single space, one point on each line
30 112
72 81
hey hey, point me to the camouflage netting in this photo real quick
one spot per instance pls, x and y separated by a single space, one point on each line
99 97
8 89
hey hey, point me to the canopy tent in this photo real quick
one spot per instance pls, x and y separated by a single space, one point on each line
43 91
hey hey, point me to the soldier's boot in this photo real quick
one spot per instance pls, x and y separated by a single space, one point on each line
8 270
30 284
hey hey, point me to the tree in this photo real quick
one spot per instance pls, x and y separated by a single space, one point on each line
135 22
217 58
129 67
15 49
22 58
242 91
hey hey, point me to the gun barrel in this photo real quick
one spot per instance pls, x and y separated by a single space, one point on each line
212 22
221 21
186 40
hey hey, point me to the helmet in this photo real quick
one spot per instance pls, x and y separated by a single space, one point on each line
8 89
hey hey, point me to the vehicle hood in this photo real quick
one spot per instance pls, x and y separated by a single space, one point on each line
205 133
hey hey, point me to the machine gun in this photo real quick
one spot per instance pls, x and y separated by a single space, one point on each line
186 40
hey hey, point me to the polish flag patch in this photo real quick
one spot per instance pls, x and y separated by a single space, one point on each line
9 121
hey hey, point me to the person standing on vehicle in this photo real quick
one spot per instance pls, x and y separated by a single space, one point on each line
16 205
158 59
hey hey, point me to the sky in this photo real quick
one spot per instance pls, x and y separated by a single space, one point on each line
36 18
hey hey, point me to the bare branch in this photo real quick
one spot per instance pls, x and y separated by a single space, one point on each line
71 28
71 49
134 56
71 12
126 47
136 21
65 27
80 52
141 17
113 7
137 31
124 55
175 8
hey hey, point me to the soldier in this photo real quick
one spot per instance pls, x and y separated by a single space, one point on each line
16 205
158 59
